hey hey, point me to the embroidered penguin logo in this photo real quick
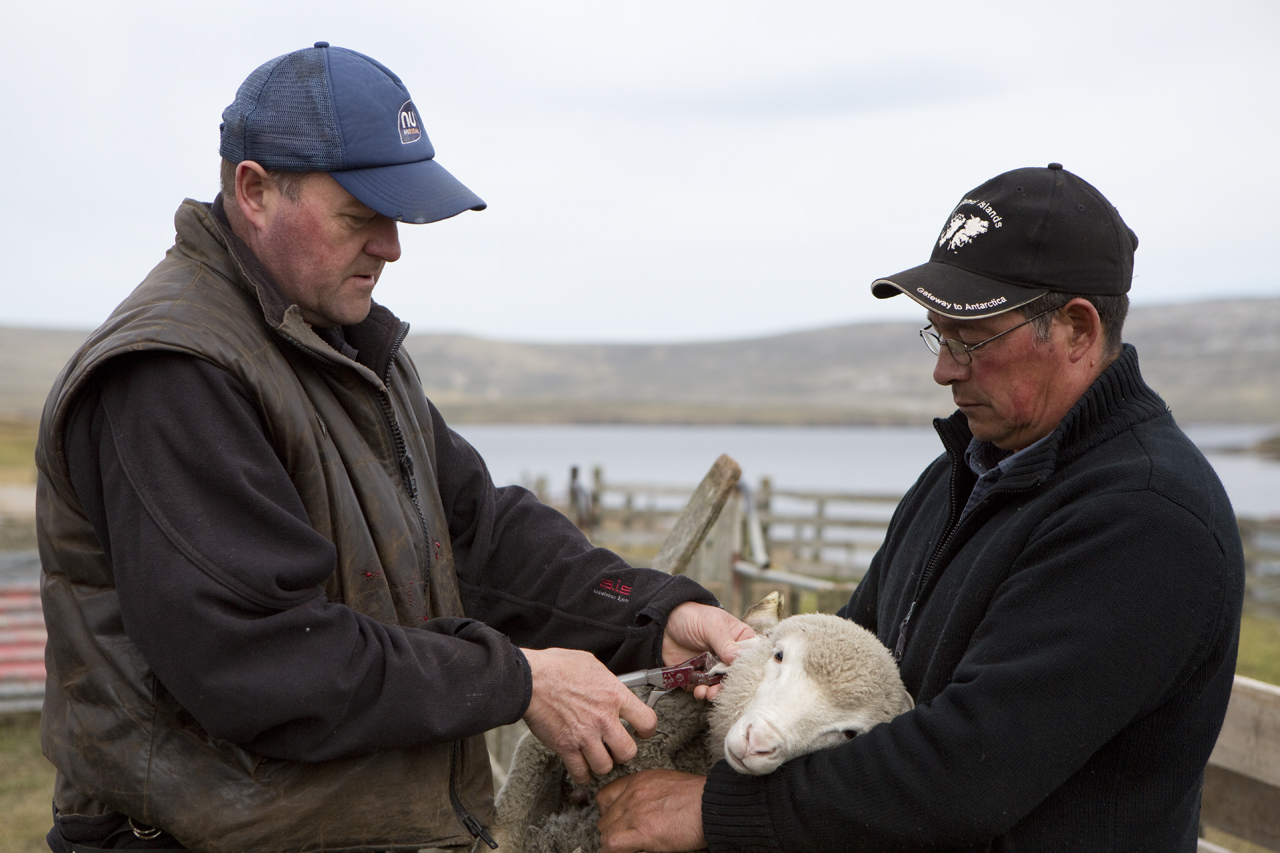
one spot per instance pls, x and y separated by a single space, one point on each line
410 124
961 230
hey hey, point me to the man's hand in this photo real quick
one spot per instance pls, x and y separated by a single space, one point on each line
696 628
575 710
659 811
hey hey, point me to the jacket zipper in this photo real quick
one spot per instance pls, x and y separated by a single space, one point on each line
475 827
403 459
930 566
953 524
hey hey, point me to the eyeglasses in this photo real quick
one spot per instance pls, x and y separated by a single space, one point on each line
962 352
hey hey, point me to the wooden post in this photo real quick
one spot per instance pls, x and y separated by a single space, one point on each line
1242 782
578 508
597 489
712 563
763 507
817 530
702 511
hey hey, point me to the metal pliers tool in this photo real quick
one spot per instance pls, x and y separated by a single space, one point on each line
703 669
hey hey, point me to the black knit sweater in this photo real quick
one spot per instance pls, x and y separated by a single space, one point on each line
1071 653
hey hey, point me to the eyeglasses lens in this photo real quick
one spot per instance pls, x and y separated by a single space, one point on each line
935 344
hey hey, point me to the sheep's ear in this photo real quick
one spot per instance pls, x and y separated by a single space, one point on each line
765 613
907 703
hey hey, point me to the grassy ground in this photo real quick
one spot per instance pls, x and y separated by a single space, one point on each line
1259 647
26 785
17 451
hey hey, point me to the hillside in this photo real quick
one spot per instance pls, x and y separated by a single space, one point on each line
1214 362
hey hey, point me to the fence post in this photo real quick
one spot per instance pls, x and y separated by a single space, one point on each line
764 507
579 501
712 563
597 483
816 556
698 517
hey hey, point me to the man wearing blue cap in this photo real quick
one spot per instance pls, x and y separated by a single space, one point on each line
1061 587
283 597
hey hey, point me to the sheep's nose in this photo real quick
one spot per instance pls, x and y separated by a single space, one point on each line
759 744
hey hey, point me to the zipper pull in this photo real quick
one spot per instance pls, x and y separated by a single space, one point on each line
406 465
474 827
902 634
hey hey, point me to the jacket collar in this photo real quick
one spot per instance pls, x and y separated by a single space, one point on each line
1117 400
375 339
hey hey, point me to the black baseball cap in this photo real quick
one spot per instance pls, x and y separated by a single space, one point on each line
1014 239
330 109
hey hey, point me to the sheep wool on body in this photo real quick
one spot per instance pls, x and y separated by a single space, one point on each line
811 682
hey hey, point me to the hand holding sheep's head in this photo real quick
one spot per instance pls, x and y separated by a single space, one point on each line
812 682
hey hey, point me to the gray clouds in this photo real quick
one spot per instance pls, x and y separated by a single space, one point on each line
667 170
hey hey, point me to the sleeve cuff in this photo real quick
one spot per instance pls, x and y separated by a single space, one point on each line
735 812
675 592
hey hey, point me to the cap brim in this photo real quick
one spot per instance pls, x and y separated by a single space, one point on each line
410 192
955 292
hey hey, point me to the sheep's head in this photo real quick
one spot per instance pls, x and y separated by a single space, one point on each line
812 682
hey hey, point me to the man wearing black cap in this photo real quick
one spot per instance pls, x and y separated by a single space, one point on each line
283 597
1061 588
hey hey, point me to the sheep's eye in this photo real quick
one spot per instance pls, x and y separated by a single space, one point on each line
849 734
777 655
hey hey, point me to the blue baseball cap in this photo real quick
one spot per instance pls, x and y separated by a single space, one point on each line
329 109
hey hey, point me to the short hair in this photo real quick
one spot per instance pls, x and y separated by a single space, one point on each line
289 183
1112 309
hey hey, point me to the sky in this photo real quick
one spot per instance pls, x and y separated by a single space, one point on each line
662 171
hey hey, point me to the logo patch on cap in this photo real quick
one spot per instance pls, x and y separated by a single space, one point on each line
410 124
962 229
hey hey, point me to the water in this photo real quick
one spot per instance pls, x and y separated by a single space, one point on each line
855 459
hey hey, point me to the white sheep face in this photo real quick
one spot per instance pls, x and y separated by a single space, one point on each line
811 683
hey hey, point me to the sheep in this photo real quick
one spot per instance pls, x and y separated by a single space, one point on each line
806 683
815 681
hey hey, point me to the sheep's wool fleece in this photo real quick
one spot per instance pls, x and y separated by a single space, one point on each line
534 812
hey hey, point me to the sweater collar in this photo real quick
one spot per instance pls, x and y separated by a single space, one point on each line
1117 400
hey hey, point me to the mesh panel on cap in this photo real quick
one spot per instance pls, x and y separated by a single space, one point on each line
283 117
233 117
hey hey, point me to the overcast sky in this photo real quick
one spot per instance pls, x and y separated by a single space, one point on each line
662 170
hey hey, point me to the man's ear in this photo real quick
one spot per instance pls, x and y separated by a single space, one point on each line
1084 327
254 194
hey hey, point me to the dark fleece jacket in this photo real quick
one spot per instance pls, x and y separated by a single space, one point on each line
1070 647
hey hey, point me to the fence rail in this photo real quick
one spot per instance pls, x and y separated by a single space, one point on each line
22 641
1242 782
827 535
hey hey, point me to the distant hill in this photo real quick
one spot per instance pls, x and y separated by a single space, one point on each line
1212 362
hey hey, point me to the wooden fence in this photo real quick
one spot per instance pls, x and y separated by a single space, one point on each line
1242 782
805 541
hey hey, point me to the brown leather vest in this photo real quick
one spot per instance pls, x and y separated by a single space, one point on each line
118 739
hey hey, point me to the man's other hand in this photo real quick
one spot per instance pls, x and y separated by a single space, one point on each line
575 710
659 811
696 628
